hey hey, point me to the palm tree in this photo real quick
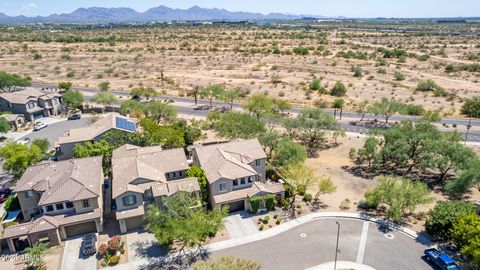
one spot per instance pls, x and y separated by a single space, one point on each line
35 253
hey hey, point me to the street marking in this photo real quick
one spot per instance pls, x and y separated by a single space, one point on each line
363 242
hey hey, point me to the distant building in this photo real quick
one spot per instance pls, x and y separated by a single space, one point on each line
94 132
32 103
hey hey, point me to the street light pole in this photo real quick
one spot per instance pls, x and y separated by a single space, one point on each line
336 247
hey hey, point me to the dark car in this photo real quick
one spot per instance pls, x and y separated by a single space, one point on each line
89 244
74 116
5 190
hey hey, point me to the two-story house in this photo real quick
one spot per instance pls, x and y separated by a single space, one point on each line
32 103
141 176
58 200
94 132
235 172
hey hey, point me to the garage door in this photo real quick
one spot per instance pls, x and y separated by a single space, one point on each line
79 229
236 206
38 115
134 223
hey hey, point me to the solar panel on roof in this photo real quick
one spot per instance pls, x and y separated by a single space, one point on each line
125 124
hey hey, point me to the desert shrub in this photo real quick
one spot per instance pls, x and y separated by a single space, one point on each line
275 216
339 89
428 85
285 203
279 220
302 189
267 219
255 203
114 260
345 204
307 197
261 227
399 76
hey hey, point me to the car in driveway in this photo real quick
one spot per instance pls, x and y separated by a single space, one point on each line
441 260
39 125
89 244
75 116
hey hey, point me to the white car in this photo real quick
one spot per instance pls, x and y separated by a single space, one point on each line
39 125
25 141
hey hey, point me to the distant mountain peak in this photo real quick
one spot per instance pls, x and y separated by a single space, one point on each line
160 13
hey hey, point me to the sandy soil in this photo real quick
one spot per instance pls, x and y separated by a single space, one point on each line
188 57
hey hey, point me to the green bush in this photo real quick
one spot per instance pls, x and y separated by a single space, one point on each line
307 197
285 203
114 260
339 89
428 85
440 219
12 204
255 203
267 219
270 202
261 227
301 190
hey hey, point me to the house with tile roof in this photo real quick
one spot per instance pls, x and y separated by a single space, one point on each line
58 200
31 102
235 172
142 176
94 132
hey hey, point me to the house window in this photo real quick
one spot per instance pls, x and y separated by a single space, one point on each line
242 181
86 203
168 175
30 105
258 162
49 208
129 200
235 182
59 206
69 205
223 186
29 194
180 173
148 194
174 174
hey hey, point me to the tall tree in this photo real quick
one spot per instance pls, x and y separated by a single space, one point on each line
199 173
338 105
18 157
73 98
363 108
4 126
10 82
468 178
465 234
178 221
288 153
440 219
384 107
238 125
161 112
212 91
281 105
231 95
298 177
309 128
132 108
259 105
105 98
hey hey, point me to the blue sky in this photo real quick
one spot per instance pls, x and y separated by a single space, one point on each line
349 8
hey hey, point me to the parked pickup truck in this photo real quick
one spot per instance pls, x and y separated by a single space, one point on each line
440 260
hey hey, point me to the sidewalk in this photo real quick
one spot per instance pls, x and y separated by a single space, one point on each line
283 228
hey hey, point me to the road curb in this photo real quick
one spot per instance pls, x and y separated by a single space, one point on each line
309 218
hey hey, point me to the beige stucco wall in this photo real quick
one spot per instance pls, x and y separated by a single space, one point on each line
78 205
28 205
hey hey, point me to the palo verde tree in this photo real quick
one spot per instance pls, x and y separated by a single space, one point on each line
231 95
213 91
179 221
10 82
385 107
298 178
399 195
73 99
16 158
161 112
325 186
259 105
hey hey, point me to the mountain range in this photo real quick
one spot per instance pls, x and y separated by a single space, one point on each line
161 13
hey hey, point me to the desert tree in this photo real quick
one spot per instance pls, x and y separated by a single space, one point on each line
213 91
259 105
298 178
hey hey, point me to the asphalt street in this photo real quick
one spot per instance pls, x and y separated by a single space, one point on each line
474 135
314 243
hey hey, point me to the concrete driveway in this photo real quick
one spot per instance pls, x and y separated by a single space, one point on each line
73 258
240 224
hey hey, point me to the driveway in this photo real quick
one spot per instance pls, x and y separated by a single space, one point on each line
73 258
240 224
142 244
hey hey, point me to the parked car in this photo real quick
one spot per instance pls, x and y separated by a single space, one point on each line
25 141
75 116
39 125
3 197
89 244
5 190
440 260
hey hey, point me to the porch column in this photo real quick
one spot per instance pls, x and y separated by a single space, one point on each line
123 225
11 247
61 231
99 225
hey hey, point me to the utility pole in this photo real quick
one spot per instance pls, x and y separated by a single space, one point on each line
336 246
